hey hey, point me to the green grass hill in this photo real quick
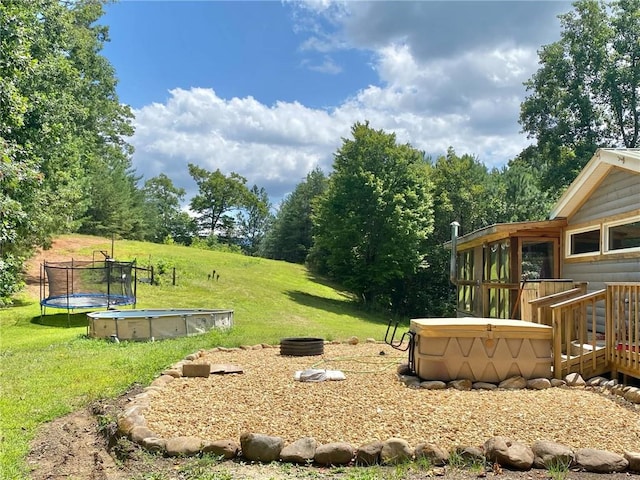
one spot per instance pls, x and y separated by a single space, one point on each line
48 366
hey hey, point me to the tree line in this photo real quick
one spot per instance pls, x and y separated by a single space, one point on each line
375 224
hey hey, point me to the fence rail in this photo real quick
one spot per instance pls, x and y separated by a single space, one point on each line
576 346
623 328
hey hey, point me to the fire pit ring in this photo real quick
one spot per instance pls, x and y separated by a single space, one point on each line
301 346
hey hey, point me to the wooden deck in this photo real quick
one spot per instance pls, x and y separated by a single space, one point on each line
577 344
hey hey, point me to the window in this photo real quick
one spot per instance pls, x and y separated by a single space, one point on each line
584 242
537 259
623 235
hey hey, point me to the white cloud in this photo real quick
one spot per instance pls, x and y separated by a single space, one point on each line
327 66
273 147
450 74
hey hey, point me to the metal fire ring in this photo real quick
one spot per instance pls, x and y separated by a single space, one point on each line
301 346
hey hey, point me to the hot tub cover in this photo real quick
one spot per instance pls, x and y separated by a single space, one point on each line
480 349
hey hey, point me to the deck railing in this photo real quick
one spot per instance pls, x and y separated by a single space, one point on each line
623 328
540 312
576 347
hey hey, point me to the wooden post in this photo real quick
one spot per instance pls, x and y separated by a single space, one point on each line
557 344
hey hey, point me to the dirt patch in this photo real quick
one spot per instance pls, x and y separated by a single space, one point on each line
62 249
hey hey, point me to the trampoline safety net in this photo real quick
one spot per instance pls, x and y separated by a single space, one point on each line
88 284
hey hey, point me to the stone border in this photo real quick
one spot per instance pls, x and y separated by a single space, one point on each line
499 451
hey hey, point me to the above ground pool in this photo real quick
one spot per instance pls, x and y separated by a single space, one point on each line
156 324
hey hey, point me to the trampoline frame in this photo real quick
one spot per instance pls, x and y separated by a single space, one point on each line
85 300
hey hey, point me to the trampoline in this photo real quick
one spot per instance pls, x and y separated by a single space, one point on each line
87 284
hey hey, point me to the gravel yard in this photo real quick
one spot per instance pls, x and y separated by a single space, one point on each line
371 404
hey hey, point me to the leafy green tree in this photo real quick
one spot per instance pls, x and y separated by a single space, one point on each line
163 200
290 236
184 229
254 219
218 196
371 223
59 116
522 197
464 190
585 94
22 208
72 120
116 205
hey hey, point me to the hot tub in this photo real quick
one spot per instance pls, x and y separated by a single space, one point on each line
480 349
156 324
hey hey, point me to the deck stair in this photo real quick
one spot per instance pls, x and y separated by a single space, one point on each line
580 344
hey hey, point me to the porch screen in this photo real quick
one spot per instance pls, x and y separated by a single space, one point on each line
498 268
465 281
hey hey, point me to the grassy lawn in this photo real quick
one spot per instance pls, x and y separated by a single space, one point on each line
49 367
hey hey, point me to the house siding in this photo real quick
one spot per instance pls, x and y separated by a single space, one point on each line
618 193
599 273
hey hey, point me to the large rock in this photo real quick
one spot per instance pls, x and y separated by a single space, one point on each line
260 448
338 453
634 460
226 448
301 451
437 456
395 451
508 453
632 395
513 383
369 454
575 380
173 372
471 454
154 444
596 381
433 385
183 446
600 461
140 432
463 384
131 418
162 380
484 386
538 383
547 453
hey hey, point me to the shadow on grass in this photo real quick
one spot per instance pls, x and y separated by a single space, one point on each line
319 279
346 306
62 320
21 302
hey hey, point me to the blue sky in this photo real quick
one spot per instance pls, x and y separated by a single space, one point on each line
269 89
